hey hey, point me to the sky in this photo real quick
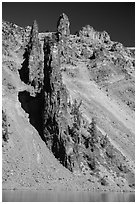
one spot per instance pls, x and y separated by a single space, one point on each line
117 18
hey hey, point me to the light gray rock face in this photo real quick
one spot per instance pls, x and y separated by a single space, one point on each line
93 35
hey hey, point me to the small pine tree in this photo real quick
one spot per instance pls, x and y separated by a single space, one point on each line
93 133
76 121
104 141
76 113
5 136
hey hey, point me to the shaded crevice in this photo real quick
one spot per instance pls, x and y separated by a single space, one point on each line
34 107
24 71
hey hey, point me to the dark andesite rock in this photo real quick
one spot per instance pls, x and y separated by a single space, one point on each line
32 68
55 107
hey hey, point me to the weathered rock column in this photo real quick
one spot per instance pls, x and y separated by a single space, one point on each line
55 108
35 61
63 33
32 69
63 25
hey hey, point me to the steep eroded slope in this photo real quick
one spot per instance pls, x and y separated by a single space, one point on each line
66 86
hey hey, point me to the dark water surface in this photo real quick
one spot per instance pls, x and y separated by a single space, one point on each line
51 196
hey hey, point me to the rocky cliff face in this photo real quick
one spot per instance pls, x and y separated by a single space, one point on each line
88 31
61 84
55 125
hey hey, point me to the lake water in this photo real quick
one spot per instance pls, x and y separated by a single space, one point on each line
51 196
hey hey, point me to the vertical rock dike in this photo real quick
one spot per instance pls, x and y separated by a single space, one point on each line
55 106
55 115
46 100
32 69
63 33
35 61
63 26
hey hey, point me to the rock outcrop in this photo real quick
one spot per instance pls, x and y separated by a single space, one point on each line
32 68
88 31
55 114
63 26
63 34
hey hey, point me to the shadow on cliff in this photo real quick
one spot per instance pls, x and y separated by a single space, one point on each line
24 71
34 107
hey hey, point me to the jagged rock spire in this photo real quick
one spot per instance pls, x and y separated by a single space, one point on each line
35 63
63 25
34 34
35 25
63 33
32 70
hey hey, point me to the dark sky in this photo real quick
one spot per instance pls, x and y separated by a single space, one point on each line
117 18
